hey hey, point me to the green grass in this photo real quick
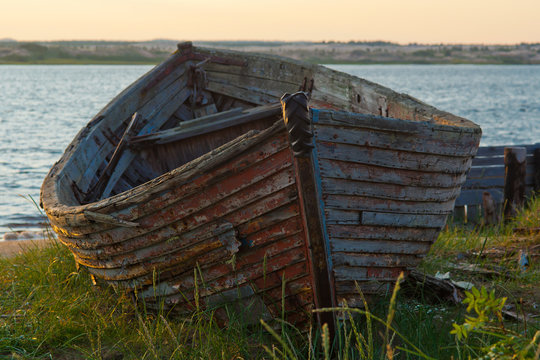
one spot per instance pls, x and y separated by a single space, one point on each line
50 310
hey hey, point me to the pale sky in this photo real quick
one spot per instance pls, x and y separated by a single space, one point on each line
403 21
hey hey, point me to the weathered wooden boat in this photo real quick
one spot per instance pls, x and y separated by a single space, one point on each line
193 167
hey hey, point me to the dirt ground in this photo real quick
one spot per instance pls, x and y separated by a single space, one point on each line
14 247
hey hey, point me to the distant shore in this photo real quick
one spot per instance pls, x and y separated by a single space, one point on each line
371 52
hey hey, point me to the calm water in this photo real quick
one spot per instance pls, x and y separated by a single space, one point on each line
43 107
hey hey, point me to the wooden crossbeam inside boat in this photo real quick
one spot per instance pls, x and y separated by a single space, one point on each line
207 124
109 169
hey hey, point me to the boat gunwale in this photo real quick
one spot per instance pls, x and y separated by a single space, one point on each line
161 183
56 208
402 98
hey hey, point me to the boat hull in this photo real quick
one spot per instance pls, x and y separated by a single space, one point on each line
385 187
237 223
189 208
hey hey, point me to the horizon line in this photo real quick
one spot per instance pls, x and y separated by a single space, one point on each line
389 42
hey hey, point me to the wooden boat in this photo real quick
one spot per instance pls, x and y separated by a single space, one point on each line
193 167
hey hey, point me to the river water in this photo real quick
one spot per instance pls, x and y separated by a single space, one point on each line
42 107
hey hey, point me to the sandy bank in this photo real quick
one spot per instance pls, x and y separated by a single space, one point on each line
11 248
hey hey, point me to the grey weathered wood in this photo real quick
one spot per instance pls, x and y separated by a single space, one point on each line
357 171
342 118
348 202
368 287
485 183
377 260
155 111
497 171
364 274
210 118
205 110
254 96
514 181
108 219
489 208
529 175
342 90
474 197
536 170
474 213
488 172
392 158
433 287
271 86
490 151
157 118
188 122
96 190
183 113
479 172
335 216
378 246
151 198
133 99
424 141
208 124
387 191
352 231
489 161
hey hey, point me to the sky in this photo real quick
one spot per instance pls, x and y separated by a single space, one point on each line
401 21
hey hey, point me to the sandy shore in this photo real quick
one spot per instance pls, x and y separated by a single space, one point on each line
11 248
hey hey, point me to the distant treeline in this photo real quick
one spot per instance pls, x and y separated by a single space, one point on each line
79 52
354 52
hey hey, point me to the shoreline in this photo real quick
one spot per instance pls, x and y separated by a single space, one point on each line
10 248
325 52
135 63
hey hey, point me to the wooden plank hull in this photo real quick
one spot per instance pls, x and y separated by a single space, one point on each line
246 207
187 205
385 194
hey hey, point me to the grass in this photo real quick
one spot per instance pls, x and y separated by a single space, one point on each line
50 310
497 249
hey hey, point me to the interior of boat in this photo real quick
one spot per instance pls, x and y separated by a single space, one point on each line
197 121
195 102
197 126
